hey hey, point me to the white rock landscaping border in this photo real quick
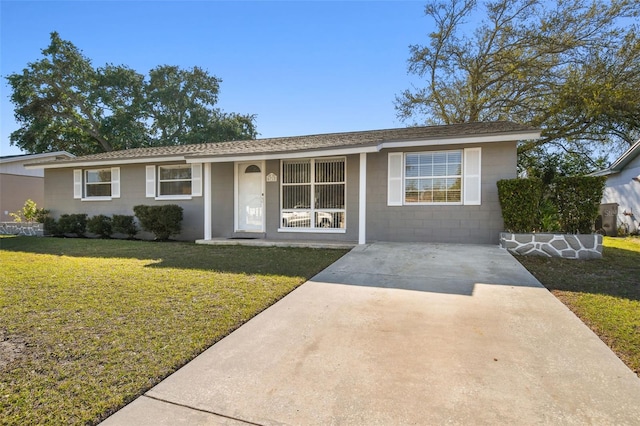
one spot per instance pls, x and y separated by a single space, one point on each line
568 246
21 228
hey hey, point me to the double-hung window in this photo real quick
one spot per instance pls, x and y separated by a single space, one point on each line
433 177
96 184
449 177
313 194
174 181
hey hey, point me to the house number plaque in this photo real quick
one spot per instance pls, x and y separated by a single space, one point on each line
272 177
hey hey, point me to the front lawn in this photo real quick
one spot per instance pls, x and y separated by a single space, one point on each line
603 293
86 325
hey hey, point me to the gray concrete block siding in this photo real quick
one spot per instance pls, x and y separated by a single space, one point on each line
478 224
59 200
222 193
458 224
453 224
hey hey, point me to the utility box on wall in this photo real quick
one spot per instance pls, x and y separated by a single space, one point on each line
607 221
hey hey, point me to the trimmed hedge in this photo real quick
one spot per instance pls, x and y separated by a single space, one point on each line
124 224
520 202
50 226
100 225
72 224
577 199
569 203
162 221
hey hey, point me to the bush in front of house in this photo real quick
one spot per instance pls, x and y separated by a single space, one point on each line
124 224
568 204
549 216
30 213
72 224
162 221
100 225
520 201
50 226
577 199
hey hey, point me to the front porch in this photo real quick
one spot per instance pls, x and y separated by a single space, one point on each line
298 199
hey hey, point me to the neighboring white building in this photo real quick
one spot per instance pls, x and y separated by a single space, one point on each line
18 184
623 187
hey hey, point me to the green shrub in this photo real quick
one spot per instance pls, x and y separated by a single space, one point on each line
549 216
577 199
162 221
569 204
72 224
29 213
100 225
50 226
41 215
520 201
124 224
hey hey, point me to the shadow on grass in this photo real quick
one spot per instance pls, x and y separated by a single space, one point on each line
284 261
616 274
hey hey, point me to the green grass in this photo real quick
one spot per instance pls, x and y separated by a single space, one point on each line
604 293
89 325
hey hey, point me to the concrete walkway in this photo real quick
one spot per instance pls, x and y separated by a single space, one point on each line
403 334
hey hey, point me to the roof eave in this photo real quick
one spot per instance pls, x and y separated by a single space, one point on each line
605 172
109 162
282 155
32 157
627 157
459 140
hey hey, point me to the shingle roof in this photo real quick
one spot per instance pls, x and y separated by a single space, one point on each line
311 142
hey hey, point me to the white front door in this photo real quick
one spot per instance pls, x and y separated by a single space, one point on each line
250 197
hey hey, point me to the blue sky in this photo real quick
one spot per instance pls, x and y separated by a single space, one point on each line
301 67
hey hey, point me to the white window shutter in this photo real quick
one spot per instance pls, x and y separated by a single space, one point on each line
472 176
196 179
77 183
115 182
151 181
394 179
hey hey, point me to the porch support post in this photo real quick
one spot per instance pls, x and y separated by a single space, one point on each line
207 201
362 205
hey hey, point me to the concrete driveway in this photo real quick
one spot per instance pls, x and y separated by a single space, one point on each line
403 334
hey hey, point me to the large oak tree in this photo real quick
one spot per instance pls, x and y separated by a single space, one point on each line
569 67
63 103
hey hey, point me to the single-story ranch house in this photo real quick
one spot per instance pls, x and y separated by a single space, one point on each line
435 184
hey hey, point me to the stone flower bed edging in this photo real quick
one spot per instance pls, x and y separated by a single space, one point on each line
568 246
21 228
